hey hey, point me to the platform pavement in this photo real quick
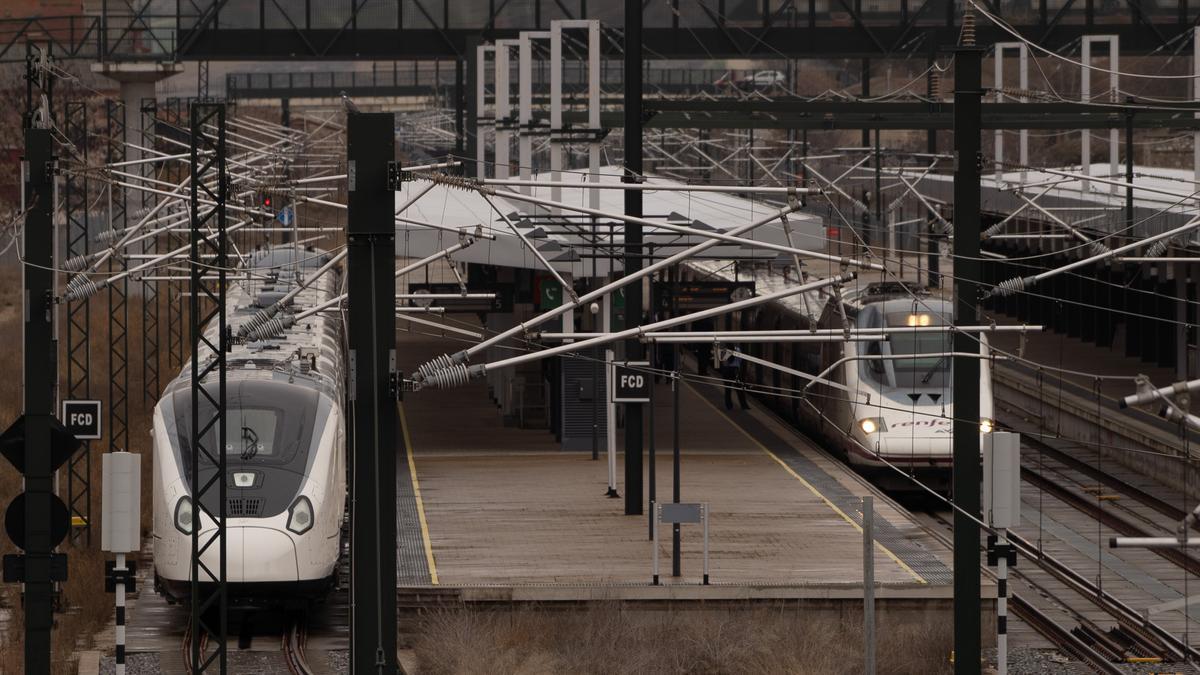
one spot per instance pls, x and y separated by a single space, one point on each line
503 507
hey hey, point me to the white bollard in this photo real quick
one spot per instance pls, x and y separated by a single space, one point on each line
120 530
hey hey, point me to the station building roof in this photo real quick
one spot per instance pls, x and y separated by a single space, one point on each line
1163 198
570 241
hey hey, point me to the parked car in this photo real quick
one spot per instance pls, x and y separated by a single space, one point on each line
763 79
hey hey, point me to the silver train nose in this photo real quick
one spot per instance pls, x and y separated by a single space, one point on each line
256 554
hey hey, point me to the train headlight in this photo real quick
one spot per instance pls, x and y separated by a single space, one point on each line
300 515
184 516
871 425
985 426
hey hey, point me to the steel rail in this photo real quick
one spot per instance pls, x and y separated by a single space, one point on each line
1124 614
1108 518
294 639
1171 511
1064 638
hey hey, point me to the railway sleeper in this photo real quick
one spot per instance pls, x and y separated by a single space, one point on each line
1066 640
1125 615
1099 642
1107 518
1140 645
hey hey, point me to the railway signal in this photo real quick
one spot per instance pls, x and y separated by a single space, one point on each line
37 443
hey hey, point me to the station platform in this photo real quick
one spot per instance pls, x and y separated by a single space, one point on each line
1081 364
1067 391
504 515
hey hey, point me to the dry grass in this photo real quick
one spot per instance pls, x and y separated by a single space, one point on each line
607 639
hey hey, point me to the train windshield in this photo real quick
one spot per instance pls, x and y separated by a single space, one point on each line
269 424
907 359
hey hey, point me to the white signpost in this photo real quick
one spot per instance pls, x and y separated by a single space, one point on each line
1002 508
120 530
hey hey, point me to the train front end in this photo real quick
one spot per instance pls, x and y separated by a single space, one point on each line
284 483
901 395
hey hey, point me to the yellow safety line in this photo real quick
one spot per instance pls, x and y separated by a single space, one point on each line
412 471
896 559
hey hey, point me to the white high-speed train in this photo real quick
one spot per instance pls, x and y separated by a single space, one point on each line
285 446
891 401
877 402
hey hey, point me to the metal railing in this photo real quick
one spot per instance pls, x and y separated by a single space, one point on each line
440 75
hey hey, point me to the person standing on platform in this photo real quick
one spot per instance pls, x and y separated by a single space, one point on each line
664 357
703 350
731 372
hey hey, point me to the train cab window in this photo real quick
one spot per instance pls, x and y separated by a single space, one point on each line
932 368
258 432
269 424
931 371
876 365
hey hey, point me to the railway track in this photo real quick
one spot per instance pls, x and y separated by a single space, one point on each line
1078 480
292 642
293 648
186 648
1108 517
1065 639
1133 638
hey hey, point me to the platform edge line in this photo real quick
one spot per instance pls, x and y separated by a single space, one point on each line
416 484
811 488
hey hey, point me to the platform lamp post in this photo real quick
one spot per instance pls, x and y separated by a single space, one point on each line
634 349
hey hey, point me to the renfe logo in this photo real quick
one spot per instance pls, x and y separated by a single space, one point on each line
936 422
82 419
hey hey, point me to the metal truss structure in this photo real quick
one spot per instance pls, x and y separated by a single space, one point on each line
209 182
76 206
178 30
889 202
173 119
118 293
202 80
418 80
150 299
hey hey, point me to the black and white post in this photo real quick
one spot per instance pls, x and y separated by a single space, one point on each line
1002 509
121 508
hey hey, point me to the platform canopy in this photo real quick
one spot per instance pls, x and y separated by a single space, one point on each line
575 243
1163 198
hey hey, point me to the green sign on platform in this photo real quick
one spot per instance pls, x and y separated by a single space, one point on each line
551 295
